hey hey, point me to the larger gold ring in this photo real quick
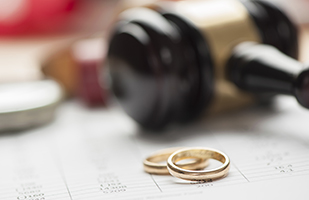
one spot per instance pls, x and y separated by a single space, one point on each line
153 164
198 175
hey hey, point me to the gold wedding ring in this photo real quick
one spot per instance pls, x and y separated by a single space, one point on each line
153 165
198 175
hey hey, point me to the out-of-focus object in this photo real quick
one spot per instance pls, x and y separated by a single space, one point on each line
168 63
261 68
89 55
77 69
19 61
304 43
28 104
21 58
126 4
61 67
297 9
26 16
37 17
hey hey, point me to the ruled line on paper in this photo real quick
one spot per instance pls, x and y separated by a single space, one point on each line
108 165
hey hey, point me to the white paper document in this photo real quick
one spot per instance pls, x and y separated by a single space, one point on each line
98 153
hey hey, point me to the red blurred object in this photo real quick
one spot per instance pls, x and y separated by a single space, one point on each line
89 55
90 90
34 16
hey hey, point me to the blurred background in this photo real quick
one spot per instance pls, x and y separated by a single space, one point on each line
66 41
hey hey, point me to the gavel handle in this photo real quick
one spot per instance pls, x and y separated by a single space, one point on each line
260 68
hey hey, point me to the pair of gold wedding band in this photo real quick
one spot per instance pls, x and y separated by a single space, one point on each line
192 170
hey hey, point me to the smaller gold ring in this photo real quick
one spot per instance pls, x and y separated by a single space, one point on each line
152 163
198 175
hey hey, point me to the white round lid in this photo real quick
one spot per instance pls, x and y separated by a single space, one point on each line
21 96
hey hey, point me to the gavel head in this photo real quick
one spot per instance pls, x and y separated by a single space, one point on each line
165 61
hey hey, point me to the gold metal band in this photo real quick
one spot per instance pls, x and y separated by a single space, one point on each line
198 175
153 165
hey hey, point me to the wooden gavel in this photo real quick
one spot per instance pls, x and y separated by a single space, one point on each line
171 61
